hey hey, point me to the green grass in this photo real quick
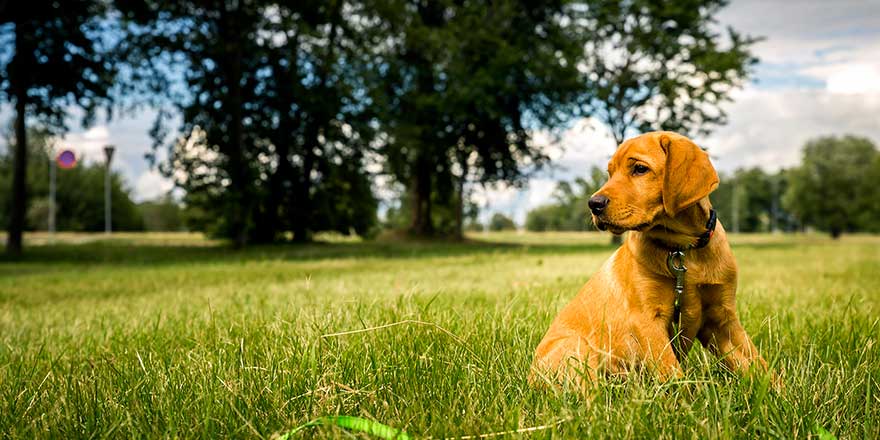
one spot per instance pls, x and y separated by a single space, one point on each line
173 336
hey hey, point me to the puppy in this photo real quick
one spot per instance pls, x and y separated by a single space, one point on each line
626 314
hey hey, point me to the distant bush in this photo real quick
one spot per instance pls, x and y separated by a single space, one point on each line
163 214
501 222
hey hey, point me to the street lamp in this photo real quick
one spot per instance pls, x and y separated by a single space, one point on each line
108 152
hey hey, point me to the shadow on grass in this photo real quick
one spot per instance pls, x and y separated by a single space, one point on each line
120 252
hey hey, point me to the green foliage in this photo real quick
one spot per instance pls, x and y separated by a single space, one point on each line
275 126
195 340
660 65
501 222
162 214
80 198
751 201
835 188
568 211
59 58
466 83
371 427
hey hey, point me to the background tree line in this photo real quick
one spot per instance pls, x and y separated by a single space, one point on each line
290 113
834 189
79 196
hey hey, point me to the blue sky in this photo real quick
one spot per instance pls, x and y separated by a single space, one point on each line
819 74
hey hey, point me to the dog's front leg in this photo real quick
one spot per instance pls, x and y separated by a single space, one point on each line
723 333
651 332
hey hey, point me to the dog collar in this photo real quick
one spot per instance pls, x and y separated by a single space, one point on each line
710 229
702 240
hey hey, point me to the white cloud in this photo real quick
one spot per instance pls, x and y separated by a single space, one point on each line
830 43
855 78
151 185
130 136
767 129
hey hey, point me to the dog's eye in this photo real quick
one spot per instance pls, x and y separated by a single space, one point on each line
639 169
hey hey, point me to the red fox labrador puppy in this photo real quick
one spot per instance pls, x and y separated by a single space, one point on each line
675 258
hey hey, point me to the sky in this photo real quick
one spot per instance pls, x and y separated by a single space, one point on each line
819 74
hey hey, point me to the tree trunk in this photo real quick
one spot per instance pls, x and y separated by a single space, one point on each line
239 202
302 196
422 225
18 78
320 118
19 179
269 223
459 211
835 232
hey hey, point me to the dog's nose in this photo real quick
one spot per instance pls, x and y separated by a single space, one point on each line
597 204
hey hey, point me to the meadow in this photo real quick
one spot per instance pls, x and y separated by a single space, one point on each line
172 335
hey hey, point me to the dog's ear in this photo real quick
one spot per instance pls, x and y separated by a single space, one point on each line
689 175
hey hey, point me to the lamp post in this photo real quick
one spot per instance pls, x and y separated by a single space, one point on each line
52 172
108 152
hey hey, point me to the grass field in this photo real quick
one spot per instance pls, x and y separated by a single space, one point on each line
174 336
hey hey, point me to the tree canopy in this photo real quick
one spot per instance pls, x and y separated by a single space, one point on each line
275 133
466 85
835 187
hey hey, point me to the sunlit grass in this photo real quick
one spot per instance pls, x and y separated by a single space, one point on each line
173 336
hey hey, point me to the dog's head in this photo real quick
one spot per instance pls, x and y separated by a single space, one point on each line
651 176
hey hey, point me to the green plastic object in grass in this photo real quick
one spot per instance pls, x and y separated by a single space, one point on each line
355 424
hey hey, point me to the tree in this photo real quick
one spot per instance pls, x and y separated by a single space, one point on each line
467 82
501 222
39 144
758 201
58 62
321 74
213 44
833 188
275 139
